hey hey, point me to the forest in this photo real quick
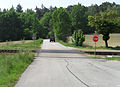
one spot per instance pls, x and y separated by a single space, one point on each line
16 24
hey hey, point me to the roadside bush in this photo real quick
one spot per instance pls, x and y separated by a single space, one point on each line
78 38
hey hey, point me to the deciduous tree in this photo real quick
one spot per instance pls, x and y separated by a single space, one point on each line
79 18
104 22
61 23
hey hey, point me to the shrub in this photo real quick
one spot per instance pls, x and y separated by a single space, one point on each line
78 37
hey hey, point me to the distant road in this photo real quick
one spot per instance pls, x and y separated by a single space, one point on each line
60 66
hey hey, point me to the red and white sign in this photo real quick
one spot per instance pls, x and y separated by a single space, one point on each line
95 38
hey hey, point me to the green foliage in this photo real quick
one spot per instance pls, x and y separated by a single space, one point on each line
79 17
78 38
45 19
107 6
61 23
11 66
32 25
93 9
10 26
117 21
69 9
16 24
45 22
104 22
19 8
41 11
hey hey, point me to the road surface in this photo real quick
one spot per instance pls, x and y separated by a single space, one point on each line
60 66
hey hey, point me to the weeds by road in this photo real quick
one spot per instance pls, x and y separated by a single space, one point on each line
11 66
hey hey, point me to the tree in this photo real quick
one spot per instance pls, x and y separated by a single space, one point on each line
61 23
32 25
105 6
39 29
27 21
79 19
52 8
118 9
118 22
10 26
78 37
93 9
46 19
19 8
38 12
41 11
69 9
45 22
104 22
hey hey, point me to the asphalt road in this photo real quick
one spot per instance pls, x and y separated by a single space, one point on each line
60 66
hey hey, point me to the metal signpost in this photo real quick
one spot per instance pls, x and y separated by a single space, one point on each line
95 39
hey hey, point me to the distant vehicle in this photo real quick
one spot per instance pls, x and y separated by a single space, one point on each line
52 39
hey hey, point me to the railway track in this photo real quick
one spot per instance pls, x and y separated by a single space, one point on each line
16 51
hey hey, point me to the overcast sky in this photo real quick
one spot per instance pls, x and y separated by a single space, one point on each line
47 3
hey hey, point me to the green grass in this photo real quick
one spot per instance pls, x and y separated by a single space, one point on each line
68 44
11 67
113 58
105 57
24 46
81 47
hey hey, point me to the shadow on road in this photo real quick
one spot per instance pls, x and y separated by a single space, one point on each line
60 51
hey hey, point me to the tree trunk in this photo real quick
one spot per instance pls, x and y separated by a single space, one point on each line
106 44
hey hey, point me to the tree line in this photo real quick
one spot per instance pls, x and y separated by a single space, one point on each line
15 24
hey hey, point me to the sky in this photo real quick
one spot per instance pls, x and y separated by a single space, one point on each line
31 4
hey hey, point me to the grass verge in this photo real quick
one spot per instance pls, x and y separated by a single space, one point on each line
82 47
69 45
106 57
11 67
24 46
113 58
